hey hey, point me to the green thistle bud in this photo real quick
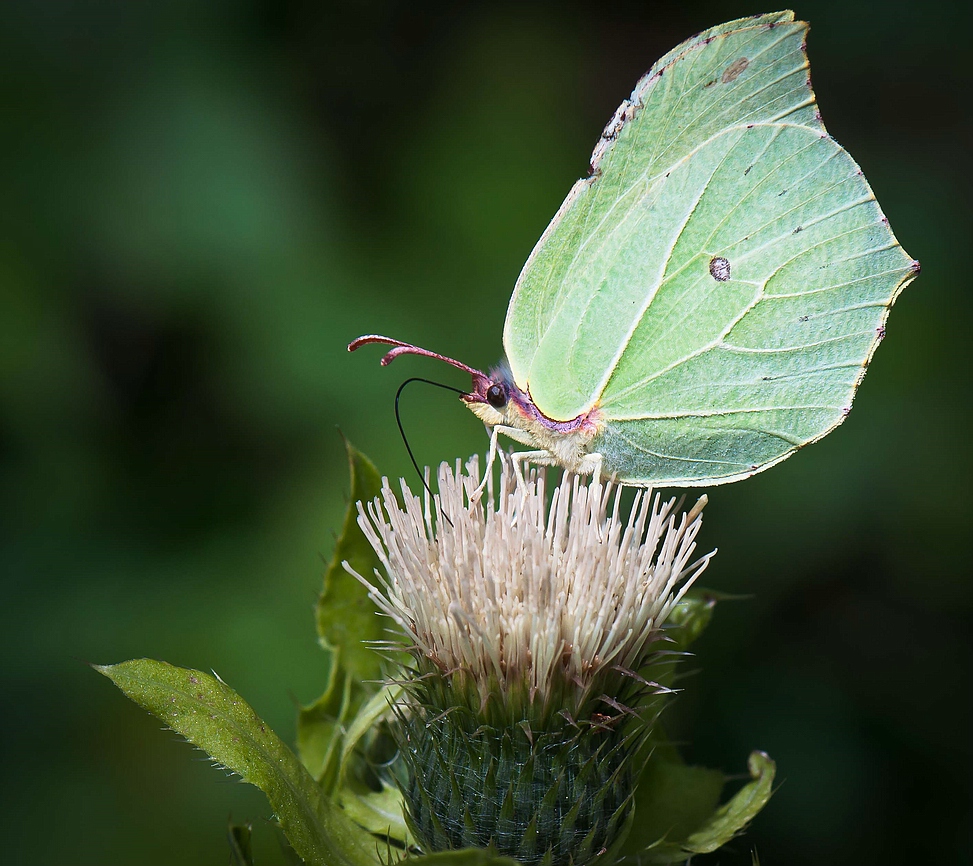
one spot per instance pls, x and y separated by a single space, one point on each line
548 796
529 619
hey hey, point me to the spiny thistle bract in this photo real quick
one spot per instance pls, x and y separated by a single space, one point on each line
552 796
529 618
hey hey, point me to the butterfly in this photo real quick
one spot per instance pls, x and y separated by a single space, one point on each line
706 301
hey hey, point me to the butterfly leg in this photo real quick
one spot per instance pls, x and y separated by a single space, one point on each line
537 458
488 469
514 433
591 464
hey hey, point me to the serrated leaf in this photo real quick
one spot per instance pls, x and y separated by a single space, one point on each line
346 616
676 812
732 817
213 717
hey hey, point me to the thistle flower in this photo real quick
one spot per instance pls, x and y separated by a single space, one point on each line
529 618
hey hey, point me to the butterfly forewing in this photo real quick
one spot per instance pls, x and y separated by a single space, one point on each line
595 270
719 283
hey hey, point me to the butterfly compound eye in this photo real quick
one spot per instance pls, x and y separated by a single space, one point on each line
497 396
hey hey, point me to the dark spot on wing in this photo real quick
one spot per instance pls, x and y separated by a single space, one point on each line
746 171
798 229
915 266
732 72
802 318
719 269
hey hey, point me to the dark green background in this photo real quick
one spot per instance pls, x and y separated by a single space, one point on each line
203 202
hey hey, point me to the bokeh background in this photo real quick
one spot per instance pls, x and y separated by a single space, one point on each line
203 202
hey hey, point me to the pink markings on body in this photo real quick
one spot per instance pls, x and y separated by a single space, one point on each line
587 421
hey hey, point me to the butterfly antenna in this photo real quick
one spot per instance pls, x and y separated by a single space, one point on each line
405 440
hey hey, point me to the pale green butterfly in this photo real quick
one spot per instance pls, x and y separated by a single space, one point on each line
706 302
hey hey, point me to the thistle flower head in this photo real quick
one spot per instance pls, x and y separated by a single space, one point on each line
529 616
525 592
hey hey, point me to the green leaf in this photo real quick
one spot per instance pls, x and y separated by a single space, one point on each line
732 818
382 811
690 618
468 857
241 852
213 717
379 812
330 732
320 725
676 813
671 801
346 616
288 853
377 709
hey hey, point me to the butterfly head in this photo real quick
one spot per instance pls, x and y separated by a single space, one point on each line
493 398
497 401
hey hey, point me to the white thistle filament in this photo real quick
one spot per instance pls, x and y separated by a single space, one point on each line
517 592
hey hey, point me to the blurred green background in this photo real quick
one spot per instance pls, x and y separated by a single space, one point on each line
203 203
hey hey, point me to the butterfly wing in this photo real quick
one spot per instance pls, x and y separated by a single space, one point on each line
719 283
